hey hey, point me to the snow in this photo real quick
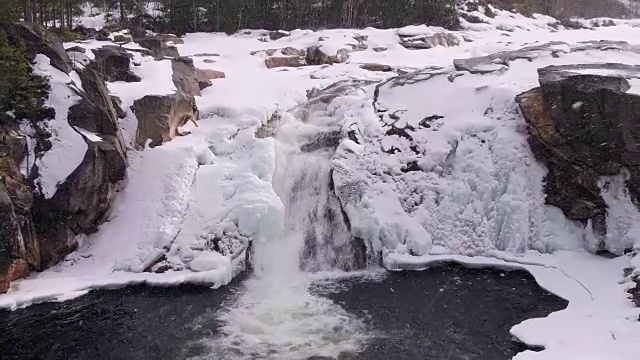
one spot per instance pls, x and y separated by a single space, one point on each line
67 145
478 197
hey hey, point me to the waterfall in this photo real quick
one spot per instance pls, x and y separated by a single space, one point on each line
276 317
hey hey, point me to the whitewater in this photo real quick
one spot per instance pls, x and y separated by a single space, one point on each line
223 180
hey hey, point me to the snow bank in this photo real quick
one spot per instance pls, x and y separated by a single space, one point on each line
67 145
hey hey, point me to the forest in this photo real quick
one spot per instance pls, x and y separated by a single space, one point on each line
182 16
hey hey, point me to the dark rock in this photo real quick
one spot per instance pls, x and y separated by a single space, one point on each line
329 139
39 41
430 41
284 61
635 294
317 56
204 77
117 106
160 116
583 127
184 76
276 35
102 35
159 47
113 63
376 67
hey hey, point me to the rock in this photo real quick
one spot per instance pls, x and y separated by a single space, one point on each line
81 202
635 294
114 63
117 106
380 49
291 51
376 67
285 61
204 77
582 127
184 76
11 270
160 46
102 35
160 116
122 38
39 41
430 41
276 35
317 56
208 61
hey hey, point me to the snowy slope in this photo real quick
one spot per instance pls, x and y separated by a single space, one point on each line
484 199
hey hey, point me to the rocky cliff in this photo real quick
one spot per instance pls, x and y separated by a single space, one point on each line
585 125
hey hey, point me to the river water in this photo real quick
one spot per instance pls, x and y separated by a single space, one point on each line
448 312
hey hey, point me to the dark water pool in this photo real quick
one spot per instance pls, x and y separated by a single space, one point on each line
448 312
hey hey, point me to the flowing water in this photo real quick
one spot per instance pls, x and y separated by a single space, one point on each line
275 316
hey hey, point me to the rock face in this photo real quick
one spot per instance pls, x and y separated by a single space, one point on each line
285 61
81 202
37 232
184 76
39 41
584 126
317 56
114 63
160 116
161 46
430 41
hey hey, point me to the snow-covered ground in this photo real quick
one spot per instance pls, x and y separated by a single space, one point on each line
486 201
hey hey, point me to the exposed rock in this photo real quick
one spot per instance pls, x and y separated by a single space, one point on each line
276 35
204 77
161 46
430 41
184 76
117 106
81 202
122 38
291 51
11 270
317 56
582 127
376 67
361 43
379 49
113 63
635 294
39 41
160 116
102 35
284 61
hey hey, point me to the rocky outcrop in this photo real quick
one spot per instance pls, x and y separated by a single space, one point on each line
39 41
430 41
114 63
38 231
80 203
161 46
376 67
317 56
583 126
204 77
285 61
160 116
184 76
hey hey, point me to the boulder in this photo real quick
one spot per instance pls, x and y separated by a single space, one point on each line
317 56
276 35
376 67
117 106
11 270
184 76
204 77
160 46
582 127
430 41
39 41
160 116
285 61
113 63
82 201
